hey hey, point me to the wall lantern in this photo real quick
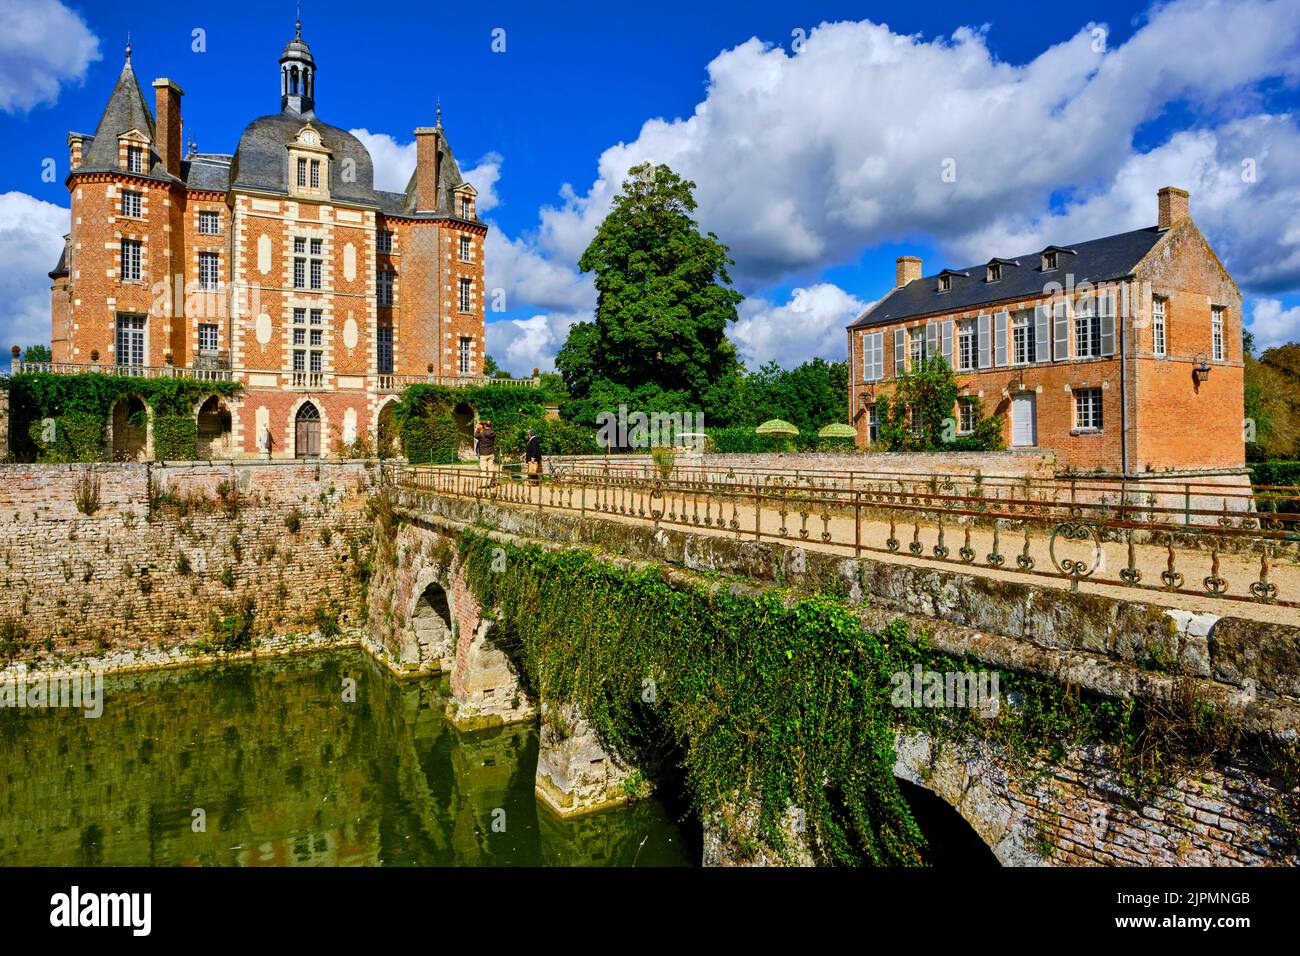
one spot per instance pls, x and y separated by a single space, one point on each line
1202 369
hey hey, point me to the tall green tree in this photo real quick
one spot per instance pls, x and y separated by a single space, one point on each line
664 301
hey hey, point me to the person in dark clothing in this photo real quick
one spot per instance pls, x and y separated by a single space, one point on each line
487 449
533 456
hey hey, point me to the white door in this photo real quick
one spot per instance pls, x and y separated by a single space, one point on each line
1024 420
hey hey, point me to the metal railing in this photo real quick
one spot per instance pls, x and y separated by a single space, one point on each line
383 382
1233 555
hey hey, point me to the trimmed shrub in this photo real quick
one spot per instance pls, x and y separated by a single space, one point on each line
175 438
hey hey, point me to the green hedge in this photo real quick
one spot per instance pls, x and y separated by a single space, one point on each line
1275 472
430 438
76 436
175 438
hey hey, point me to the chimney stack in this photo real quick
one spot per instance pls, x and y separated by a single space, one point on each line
426 166
1172 203
167 126
906 268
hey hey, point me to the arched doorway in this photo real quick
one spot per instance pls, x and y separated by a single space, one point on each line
213 429
464 414
431 625
306 431
950 840
388 440
130 429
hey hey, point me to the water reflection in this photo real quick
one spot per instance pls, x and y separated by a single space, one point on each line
286 773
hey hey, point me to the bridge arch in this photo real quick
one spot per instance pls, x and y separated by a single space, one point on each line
430 633
972 783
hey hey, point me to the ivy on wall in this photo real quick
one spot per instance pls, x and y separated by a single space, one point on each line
80 407
788 698
425 416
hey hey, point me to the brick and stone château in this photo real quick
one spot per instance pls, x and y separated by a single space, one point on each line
279 266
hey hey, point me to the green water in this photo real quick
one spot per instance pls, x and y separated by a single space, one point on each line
290 774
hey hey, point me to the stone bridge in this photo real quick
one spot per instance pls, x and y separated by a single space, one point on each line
1075 810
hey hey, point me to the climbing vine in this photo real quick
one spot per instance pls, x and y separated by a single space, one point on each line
788 697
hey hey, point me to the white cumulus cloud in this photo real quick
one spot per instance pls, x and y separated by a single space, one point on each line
31 238
394 162
810 325
43 45
521 345
1273 325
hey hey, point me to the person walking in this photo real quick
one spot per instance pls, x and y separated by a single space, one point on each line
487 449
533 456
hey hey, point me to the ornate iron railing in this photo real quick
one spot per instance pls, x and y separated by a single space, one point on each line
1228 553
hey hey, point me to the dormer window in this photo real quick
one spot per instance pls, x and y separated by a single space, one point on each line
945 283
994 272
1049 260
135 159
309 164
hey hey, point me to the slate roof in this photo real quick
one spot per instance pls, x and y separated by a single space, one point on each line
126 110
1098 260
262 158
61 269
209 171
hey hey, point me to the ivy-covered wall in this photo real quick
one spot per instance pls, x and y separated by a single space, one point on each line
80 407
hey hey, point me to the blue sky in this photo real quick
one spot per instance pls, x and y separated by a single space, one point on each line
816 133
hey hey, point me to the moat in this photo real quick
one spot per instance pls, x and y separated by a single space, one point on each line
268 764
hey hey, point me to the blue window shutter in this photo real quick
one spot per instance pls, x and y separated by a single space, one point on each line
1000 339
1060 331
1042 335
946 337
985 341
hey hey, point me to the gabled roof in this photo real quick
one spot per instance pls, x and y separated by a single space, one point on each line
126 111
61 269
1099 260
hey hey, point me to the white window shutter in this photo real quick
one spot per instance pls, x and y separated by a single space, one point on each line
1042 335
1000 338
985 341
1108 323
931 340
1060 331
946 339
900 351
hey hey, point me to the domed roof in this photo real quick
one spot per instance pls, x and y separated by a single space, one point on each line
262 159
297 48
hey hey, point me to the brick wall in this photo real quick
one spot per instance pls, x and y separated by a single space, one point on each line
86 585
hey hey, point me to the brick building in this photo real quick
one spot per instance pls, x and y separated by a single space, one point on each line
1121 355
279 266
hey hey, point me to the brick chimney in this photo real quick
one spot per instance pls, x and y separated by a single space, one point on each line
1172 204
426 165
906 268
167 126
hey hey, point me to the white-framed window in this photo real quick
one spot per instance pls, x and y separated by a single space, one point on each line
315 174
300 244
317 316
466 249
384 241
299 316
1216 332
384 343
299 336
1087 328
385 288
207 337
466 208
916 346
299 360
316 362
967 345
1049 261
317 337
131 260
965 416
315 273
464 356
135 159
463 295
995 272
873 424
915 420
945 283
302 172
209 222
1159 342
1022 338
209 266
1087 409
130 340
317 245
132 204
299 273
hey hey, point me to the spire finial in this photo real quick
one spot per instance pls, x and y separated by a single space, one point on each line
440 112
128 46
297 25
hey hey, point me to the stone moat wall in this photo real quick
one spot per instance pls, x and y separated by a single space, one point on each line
126 563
